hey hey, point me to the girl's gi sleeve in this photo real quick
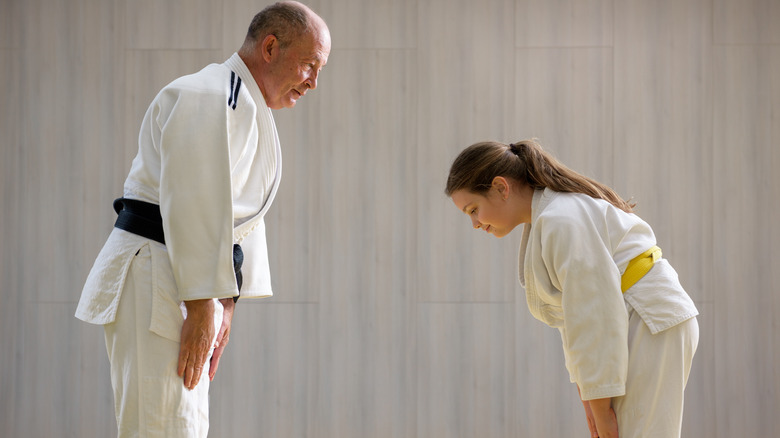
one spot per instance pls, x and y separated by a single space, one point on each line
595 320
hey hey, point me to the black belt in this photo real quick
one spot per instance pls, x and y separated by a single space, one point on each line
144 219
139 217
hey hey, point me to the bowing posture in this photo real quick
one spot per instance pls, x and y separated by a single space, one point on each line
590 268
190 236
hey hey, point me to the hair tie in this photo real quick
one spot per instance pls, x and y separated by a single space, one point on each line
514 148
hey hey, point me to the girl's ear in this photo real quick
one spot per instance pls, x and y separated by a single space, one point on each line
502 186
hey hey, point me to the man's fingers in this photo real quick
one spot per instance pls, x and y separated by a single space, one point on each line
188 372
215 362
190 368
183 355
197 334
197 371
220 337
222 341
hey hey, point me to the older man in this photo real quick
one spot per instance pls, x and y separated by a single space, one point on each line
190 237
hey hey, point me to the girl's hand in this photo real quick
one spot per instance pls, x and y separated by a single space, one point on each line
589 416
594 433
604 417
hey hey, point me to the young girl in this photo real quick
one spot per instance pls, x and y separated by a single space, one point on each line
591 269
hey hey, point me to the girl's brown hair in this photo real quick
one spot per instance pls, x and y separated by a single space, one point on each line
526 162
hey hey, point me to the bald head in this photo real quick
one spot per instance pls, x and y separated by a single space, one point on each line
285 48
287 21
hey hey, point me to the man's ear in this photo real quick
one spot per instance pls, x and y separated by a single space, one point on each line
269 48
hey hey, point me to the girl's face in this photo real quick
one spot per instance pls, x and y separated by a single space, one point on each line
495 212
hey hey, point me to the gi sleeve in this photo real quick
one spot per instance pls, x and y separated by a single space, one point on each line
195 193
595 320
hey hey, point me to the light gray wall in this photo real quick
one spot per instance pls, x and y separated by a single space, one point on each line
392 318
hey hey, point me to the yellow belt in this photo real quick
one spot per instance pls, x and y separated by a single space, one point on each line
639 266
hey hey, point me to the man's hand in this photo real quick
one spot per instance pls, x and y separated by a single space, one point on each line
224 335
197 332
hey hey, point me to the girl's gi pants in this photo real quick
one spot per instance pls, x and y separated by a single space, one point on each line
658 369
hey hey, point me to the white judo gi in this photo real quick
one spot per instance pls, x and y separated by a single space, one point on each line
209 156
635 346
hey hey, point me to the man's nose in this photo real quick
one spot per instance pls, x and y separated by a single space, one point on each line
312 81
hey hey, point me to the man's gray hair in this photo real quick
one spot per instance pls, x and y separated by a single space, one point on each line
285 20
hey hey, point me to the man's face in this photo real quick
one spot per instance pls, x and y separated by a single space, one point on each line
294 69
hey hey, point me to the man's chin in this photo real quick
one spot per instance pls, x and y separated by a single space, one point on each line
282 103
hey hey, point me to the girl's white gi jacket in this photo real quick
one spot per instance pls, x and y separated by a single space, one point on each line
209 155
572 256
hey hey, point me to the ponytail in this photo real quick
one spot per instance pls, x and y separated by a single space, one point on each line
526 162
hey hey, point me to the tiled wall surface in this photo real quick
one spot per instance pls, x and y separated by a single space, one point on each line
392 318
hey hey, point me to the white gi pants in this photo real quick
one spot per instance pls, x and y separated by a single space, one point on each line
150 399
658 369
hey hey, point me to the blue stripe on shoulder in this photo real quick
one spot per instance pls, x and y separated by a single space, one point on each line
235 86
